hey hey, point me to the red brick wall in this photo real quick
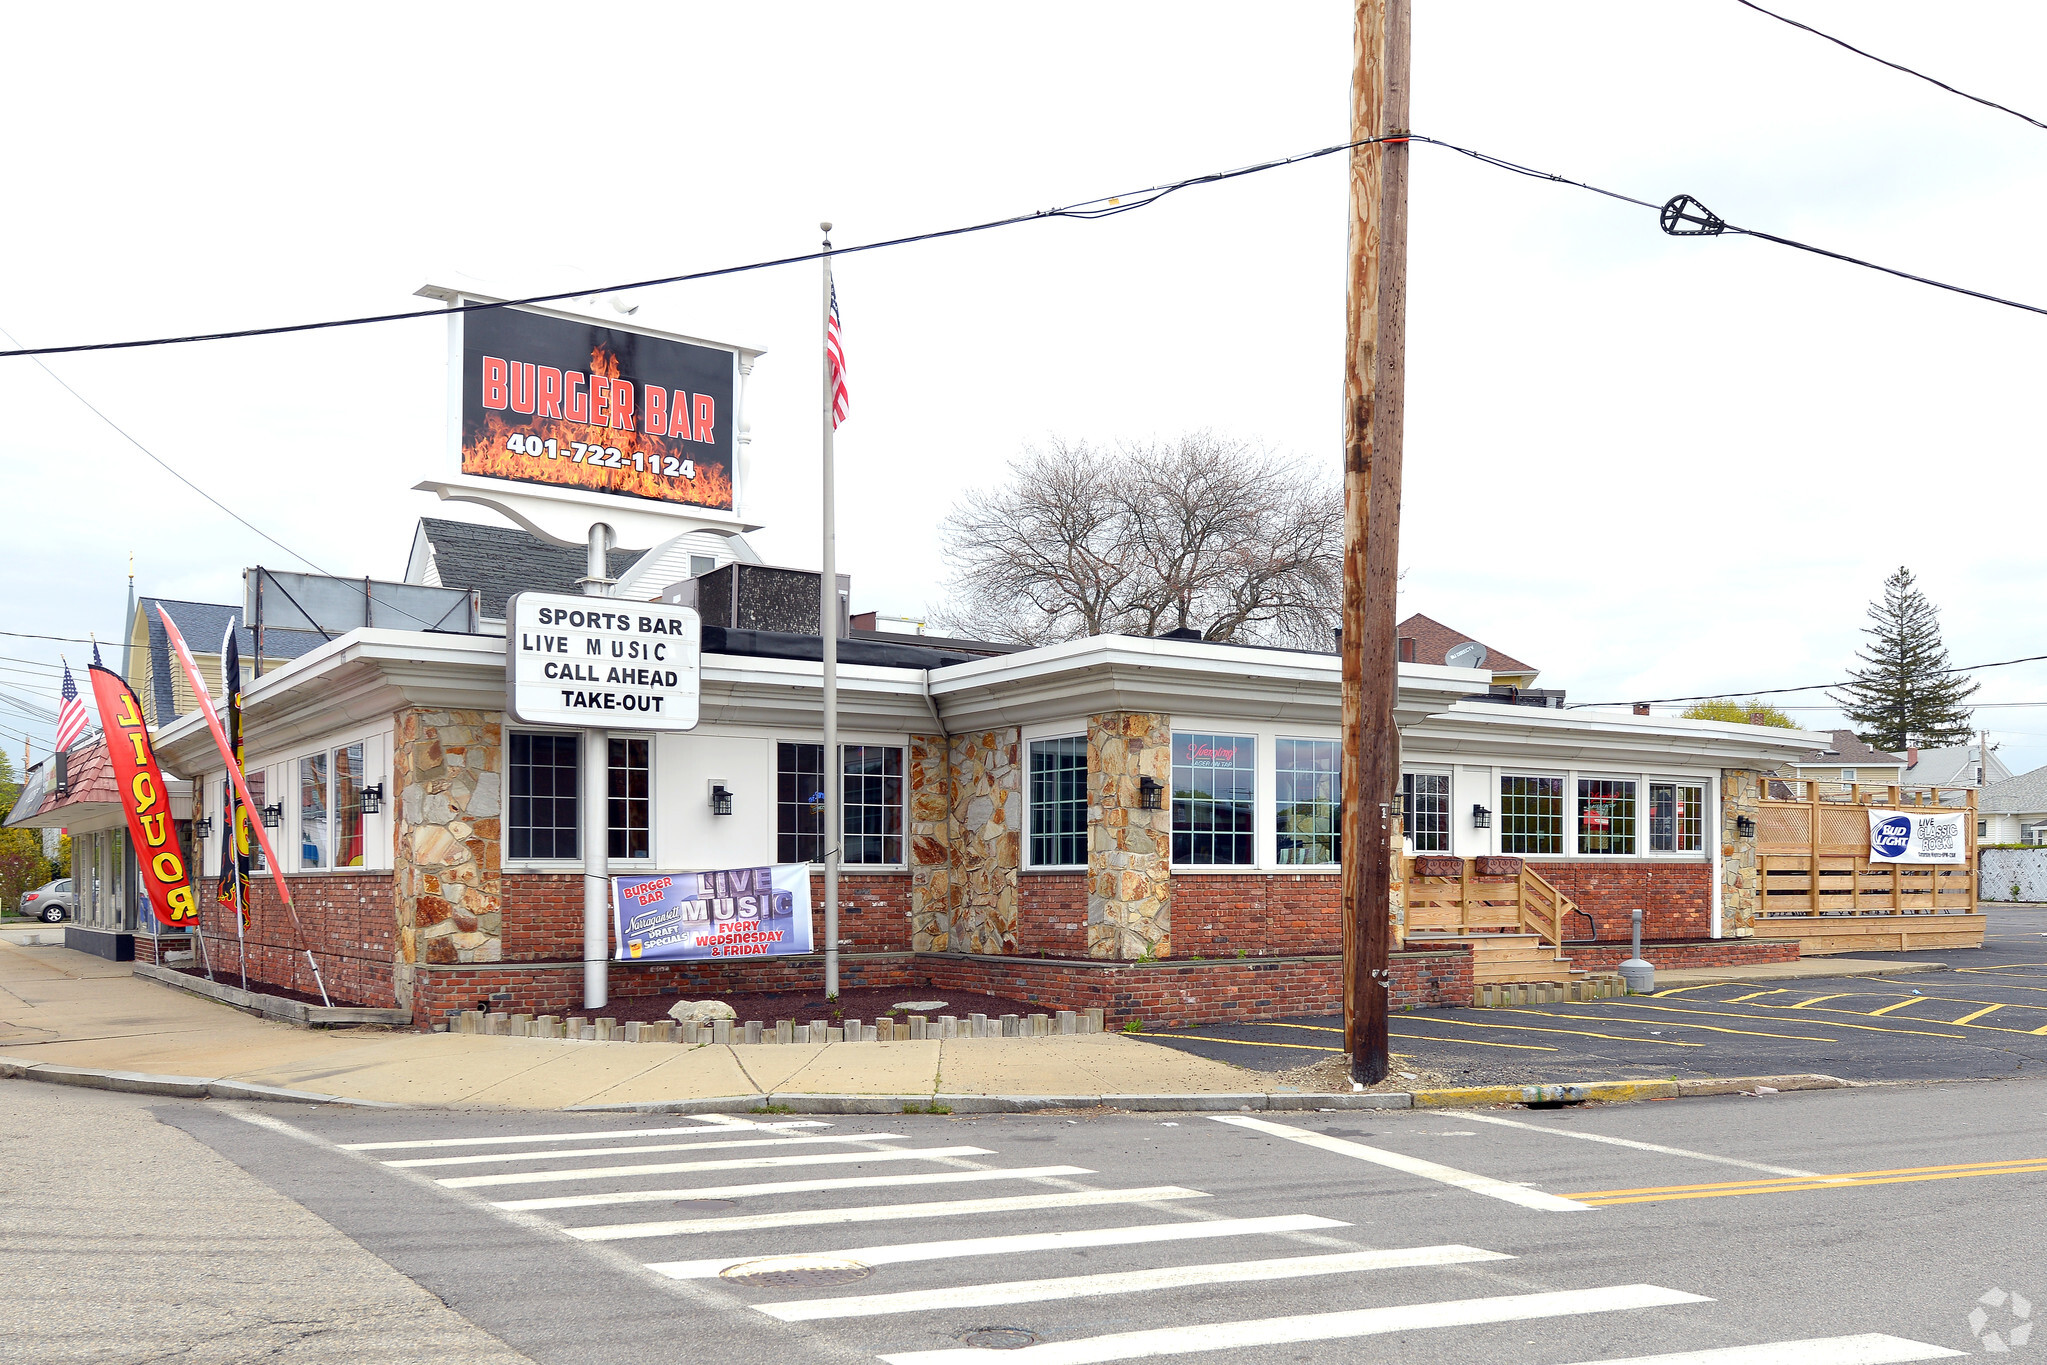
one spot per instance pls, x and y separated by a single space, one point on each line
1260 913
350 921
1051 914
1726 952
1677 897
557 988
543 914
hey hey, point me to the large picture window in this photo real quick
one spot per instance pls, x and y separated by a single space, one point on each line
541 806
871 812
1307 800
1214 799
1425 811
1058 805
1531 814
1677 817
628 817
313 811
330 809
1606 815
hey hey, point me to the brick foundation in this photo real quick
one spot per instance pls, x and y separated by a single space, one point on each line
1261 913
1677 898
1051 914
349 926
1726 952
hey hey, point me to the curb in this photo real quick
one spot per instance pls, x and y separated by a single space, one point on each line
180 1087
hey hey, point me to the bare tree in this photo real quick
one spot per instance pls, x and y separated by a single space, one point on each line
1202 532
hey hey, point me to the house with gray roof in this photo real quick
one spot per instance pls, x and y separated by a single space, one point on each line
159 681
1848 760
497 561
2014 811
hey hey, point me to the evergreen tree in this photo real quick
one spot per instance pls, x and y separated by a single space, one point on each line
1906 695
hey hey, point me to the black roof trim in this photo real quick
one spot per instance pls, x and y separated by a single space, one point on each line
775 644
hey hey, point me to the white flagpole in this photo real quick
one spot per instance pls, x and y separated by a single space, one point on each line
828 633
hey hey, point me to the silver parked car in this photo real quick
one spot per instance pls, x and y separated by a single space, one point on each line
50 902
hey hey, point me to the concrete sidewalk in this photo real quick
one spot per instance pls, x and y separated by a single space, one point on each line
65 1008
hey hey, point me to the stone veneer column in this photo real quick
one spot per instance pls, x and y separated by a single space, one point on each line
1129 878
448 768
987 839
1741 887
931 842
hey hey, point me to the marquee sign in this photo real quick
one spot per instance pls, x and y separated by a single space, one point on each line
602 663
576 404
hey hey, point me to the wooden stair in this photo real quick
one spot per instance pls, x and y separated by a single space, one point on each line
1522 969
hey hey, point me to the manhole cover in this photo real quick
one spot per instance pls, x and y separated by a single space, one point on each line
700 1205
796 1272
999 1338
919 1006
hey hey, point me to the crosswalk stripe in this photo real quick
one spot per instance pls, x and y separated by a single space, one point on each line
1645 1146
882 1213
1089 1286
649 1147
1872 1348
1030 1241
1357 1322
853 1182
732 1126
1449 1175
748 1163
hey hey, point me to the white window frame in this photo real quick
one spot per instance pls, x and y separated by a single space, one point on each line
505 828
1449 775
1575 830
1567 811
653 786
1030 812
899 742
1264 838
281 785
1267 823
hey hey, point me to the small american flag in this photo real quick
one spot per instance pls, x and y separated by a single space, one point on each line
70 713
835 352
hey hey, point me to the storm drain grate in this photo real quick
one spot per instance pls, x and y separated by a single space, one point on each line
796 1272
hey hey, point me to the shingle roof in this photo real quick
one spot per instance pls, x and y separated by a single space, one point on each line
89 781
2025 794
1953 765
204 625
498 561
1433 640
1848 751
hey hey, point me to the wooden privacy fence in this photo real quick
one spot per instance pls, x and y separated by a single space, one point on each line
1445 895
1816 881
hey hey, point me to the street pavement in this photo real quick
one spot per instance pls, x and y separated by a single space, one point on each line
1984 1015
1858 1225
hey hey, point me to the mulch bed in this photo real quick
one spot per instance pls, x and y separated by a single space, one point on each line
224 976
803 1006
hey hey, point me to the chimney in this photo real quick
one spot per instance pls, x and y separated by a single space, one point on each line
1407 649
1641 708
1911 755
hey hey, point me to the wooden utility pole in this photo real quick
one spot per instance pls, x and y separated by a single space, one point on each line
1373 382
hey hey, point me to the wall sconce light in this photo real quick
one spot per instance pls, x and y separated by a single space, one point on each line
1149 793
203 829
721 798
1481 818
272 814
373 798
1744 827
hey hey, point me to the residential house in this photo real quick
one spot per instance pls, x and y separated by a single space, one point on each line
1850 762
2014 810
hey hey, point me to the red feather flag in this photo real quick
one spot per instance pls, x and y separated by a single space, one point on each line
145 800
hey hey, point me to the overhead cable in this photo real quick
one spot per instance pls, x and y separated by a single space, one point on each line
1807 687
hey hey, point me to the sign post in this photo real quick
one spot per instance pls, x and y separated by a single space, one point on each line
570 661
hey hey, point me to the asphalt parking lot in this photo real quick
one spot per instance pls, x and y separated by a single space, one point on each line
1984 1016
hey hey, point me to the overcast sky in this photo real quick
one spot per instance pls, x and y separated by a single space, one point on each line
1652 467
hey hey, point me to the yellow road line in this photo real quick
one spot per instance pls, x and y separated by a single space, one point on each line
1815 1000
1680 990
1878 1014
1710 1028
1871 1028
1235 1042
2029 1161
1829 1023
1267 1023
1537 1028
1474 1042
1978 1014
1820 1185
1750 996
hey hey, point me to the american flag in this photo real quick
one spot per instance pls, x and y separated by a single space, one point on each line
835 352
70 713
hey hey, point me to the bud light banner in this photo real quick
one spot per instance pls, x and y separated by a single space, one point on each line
698 916
1897 836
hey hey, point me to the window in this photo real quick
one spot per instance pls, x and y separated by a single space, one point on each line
1308 800
1531 814
1606 815
871 804
313 811
1059 802
542 800
699 565
1847 774
347 767
627 804
1677 817
256 782
248 816
1214 795
1425 810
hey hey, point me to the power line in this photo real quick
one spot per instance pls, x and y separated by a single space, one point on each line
1895 66
1808 687
111 642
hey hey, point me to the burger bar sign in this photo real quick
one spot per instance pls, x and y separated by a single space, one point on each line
594 662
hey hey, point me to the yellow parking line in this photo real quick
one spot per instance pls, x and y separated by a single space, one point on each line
1680 990
2037 1169
1537 1028
1815 1000
1474 1042
1829 1023
1235 1042
1966 1166
1750 996
1978 1014
1267 1023
1711 1028
1877 1014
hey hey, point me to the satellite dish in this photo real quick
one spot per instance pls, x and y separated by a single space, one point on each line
1470 654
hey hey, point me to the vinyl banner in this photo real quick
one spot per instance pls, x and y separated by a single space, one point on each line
699 916
561 401
1897 836
146 801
